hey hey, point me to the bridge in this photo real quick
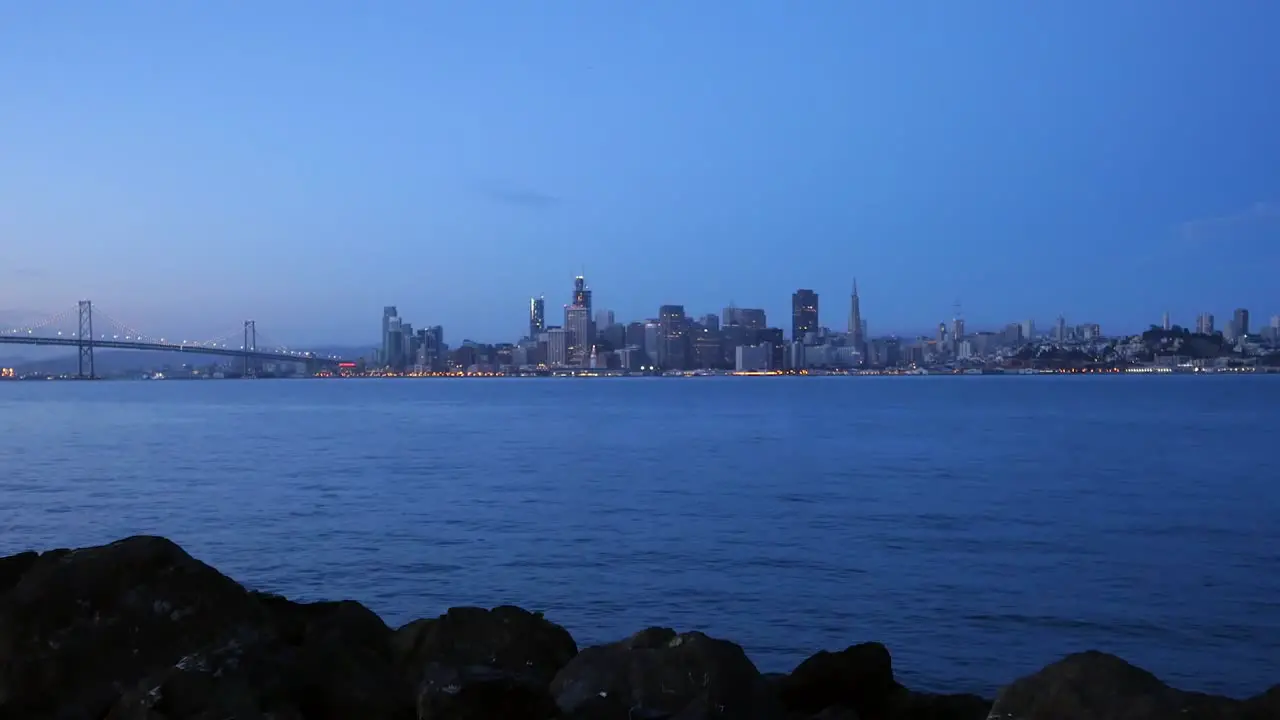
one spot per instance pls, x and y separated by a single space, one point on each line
74 328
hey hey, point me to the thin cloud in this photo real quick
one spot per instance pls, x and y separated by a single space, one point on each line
506 193
1260 220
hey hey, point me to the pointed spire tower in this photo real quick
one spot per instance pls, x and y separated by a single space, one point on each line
855 319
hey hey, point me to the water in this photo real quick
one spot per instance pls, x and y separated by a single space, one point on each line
980 527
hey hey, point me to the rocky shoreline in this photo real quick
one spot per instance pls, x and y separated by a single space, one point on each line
140 630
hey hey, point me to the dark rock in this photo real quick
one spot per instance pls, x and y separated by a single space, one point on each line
13 567
508 638
480 693
263 677
927 706
859 677
80 626
1263 707
1097 686
659 674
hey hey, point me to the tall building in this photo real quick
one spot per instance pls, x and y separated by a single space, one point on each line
557 347
1275 322
804 314
577 321
395 345
1166 324
1204 324
604 319
752 318
1028 329
388 313
1060 333
856 337
537 316
673 346
711 321
1241 320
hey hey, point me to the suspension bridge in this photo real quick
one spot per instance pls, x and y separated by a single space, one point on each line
75 328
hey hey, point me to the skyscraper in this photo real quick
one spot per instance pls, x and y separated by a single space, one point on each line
804 314
388 313
673 344
604 319
1204 324
1028 329
1060 333
557 347
855 319
577 321
537 316
1241 321
1166 324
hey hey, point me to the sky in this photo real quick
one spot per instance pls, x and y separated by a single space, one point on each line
188 166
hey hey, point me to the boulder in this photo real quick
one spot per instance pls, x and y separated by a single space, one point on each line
480 693
1098 686
928 706
13 567
859 677
79 627
659 674
478 663
327 661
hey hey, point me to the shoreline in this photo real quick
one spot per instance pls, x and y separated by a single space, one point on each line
608 375
140 630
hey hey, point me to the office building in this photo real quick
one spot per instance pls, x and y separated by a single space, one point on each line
537 316
384 355
673 352
804 314
1241 321
604 318
1028 330
1204 324
753 358
1060 332
577 321
557 347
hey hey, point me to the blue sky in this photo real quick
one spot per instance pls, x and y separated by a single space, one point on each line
189 165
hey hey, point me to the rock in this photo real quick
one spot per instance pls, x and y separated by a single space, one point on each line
659 674
1097 686
1263 707
13 567
81 626
859 677
506 638
477 663
927 706
327 673
480 693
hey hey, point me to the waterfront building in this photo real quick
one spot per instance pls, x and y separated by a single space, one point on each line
604 319
753 358
384 355
1028 330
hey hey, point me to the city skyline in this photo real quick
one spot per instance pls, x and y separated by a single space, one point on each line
189 166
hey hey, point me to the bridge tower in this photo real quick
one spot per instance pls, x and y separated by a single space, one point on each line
250 343
85 340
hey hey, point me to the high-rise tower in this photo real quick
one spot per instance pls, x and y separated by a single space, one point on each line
537 317
577 320
804 314
855 320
